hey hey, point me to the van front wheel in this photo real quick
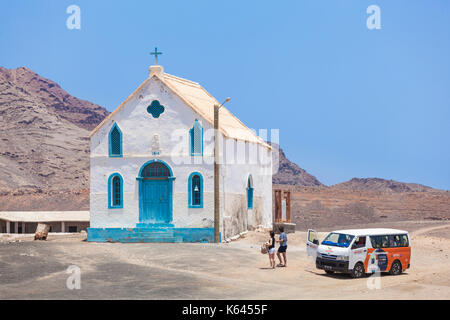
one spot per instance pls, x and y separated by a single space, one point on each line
396 268
358 270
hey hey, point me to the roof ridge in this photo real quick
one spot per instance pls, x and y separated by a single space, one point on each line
199 86
181 79
172 82
236 118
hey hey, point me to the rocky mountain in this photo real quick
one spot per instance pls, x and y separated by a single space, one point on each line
289 173
382 185
45 92
44 143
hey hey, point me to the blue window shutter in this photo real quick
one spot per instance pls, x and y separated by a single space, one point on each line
115 141
249 194
191 137
196 139
250 198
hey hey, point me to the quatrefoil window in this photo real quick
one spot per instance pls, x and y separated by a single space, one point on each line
155 109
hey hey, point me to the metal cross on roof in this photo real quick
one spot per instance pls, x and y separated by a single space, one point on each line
156 54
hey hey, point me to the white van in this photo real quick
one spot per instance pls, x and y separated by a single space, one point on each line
361 251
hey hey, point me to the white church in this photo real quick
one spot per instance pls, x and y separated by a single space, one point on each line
152 168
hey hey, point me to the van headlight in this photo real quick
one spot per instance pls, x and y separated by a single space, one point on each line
342 258
319 255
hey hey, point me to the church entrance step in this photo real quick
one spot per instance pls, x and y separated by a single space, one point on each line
151 234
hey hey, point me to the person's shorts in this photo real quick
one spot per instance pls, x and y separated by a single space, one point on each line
282 249
271 250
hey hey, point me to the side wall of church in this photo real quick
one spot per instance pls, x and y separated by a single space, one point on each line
244 161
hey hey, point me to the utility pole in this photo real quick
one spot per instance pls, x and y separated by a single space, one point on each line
217 172
216 176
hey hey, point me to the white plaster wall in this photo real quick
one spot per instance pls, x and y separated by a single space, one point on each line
237 167
138 128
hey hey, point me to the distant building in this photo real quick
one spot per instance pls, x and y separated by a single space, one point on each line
152 168
59 221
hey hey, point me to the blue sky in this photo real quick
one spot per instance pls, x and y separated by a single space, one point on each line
349 101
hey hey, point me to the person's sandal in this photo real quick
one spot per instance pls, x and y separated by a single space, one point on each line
280 265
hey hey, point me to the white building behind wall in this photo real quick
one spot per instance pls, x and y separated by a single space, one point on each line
152 166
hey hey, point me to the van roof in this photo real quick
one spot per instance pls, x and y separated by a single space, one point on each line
371 232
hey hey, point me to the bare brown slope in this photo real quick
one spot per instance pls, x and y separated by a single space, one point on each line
361 201
44 145
314 207
377 184
45 92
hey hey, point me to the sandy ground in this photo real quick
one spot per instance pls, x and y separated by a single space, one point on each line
236 270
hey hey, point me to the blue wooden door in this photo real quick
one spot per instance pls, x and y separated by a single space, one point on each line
156 195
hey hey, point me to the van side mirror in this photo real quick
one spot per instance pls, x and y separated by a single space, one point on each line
315 241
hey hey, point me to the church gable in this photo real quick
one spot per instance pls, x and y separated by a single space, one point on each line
153 115
199 100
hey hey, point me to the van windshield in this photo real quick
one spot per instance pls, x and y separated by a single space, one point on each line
338 240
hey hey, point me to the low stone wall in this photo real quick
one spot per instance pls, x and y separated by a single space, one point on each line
288 227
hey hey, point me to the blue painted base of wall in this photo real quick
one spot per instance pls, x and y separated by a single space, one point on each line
150 234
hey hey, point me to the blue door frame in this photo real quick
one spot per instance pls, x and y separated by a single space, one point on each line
155 197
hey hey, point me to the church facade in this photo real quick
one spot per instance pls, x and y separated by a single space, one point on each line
152 168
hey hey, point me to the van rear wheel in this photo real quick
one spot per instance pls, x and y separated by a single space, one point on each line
396 268
358 270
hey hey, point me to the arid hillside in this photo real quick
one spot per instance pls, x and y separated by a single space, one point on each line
44 145
382 185
333 207
358 201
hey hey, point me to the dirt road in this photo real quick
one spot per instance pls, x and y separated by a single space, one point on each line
37 270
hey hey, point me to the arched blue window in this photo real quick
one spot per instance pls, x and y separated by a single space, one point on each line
115 141
196 139
195 190
250 193
115 191
155 169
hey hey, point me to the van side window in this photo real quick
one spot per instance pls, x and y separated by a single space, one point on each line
360 242
394 241
398 240
391 241
379 241
404 242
